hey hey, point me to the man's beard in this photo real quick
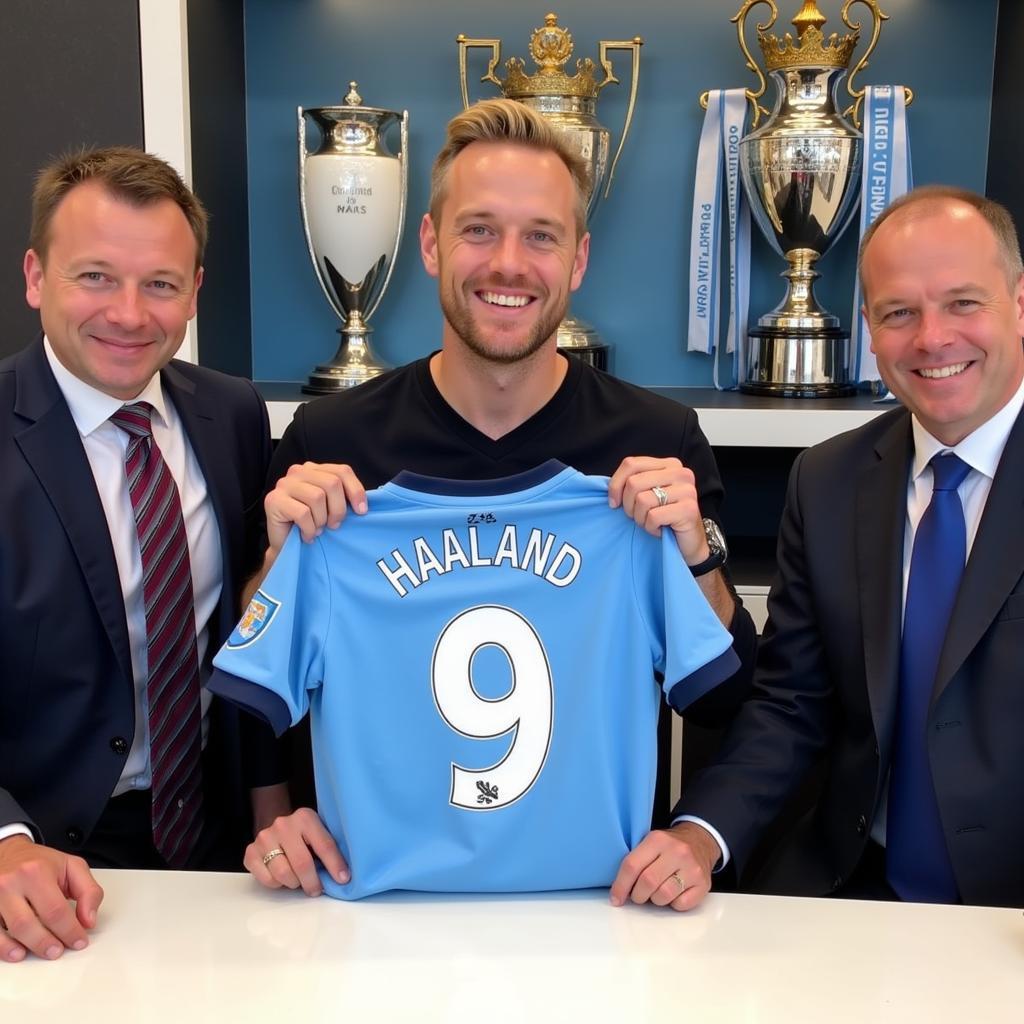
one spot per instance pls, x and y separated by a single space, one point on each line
461 320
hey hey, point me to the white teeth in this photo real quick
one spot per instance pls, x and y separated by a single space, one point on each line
943 371
497 299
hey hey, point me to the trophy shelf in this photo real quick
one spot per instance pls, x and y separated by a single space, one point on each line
727 418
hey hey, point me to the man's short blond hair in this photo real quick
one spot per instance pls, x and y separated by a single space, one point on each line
995 214
511 122
130 175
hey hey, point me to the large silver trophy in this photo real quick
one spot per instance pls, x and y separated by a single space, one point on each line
801 173
570 103
352 191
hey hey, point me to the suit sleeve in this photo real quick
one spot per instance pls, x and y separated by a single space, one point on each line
720 704
785 724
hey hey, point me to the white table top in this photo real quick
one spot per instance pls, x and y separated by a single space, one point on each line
193 947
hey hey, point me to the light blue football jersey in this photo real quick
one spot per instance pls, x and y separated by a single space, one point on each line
478 661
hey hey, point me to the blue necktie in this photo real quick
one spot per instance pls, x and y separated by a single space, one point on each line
917 859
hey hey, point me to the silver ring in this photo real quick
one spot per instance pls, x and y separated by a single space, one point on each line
275 852
679 881
661 494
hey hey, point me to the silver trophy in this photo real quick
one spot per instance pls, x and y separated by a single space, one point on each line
352 191
801 172
569 102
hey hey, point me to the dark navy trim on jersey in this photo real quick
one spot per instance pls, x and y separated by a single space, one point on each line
705 679
251 697
480 488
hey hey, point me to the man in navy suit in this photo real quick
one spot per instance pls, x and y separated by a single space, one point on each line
923 771
114 269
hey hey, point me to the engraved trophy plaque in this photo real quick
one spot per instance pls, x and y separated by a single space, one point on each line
801 174
570 103
352 193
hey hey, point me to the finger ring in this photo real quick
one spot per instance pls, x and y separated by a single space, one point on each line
679 881
275 852
661 494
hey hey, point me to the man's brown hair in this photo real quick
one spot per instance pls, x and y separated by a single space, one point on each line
128 174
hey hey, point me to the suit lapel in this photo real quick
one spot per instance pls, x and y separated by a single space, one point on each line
996 562
882 488
51 445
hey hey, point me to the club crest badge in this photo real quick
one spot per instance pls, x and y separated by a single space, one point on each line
255 619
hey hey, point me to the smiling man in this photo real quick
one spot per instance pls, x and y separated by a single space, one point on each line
894 645
506 239
131 518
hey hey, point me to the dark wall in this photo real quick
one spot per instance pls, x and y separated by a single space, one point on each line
71 77
216 31
1006 143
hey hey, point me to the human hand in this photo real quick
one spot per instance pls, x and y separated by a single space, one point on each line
632 487
669 867
36 883
311 495
296 838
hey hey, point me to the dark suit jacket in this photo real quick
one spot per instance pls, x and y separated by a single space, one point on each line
67 712
828 674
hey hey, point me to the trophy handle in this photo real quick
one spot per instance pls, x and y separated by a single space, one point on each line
464 44
877 17
633 45
739 19
305 219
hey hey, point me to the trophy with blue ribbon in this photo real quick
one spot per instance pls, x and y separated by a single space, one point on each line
569 102
801 172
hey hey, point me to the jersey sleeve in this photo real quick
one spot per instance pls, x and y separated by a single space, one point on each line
275 655
689 645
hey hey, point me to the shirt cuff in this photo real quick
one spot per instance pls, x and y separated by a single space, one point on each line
16 829
723 846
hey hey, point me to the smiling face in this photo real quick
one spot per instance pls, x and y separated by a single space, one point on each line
116 289
504 249
946 325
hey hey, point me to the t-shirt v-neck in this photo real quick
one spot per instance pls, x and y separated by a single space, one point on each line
539 423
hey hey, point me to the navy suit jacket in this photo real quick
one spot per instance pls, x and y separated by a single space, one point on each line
67 711
826 685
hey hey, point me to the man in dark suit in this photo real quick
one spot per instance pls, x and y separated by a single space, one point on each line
886 657
131 512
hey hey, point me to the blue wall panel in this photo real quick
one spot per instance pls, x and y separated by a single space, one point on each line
403 54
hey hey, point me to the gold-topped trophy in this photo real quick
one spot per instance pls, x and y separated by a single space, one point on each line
570 103
801 172
352 193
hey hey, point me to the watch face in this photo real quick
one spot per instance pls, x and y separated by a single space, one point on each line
716 541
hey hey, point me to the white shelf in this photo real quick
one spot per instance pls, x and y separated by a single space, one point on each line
728 419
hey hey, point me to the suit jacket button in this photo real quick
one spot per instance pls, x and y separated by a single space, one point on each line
837 883
862 825
74 836
119 745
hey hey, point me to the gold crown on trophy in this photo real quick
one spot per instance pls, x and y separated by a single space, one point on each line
550 48
810 48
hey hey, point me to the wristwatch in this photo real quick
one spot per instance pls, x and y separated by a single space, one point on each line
718 548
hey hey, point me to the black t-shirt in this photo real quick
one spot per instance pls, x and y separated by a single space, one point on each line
400 421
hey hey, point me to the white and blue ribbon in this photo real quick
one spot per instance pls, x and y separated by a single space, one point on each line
886 175
718 165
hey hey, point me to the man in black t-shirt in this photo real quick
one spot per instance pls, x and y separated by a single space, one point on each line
506 239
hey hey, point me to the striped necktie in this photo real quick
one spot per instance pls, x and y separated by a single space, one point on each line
917 858
173 667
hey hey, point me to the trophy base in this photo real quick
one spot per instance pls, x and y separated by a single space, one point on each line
798 363
353 364
576 337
